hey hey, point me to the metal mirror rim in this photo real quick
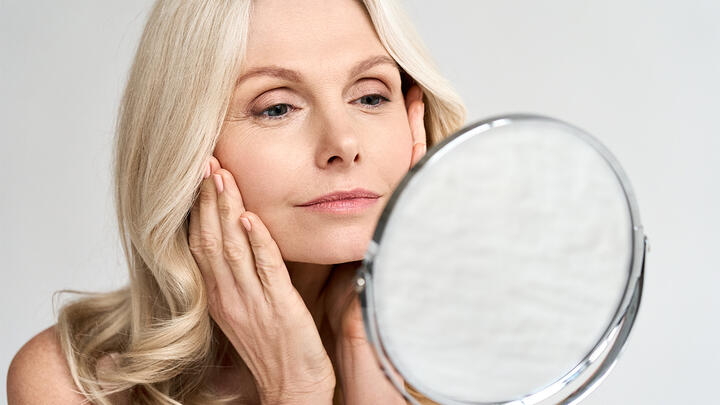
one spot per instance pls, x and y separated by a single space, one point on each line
599 360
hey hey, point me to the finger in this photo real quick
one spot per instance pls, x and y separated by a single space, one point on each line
236 246
214 164
341 291
211 165
352 328
268 260
209 234
195 248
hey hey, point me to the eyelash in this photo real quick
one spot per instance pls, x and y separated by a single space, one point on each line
262 114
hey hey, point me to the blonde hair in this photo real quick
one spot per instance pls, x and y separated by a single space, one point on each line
158 329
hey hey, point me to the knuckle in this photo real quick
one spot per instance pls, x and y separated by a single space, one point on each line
258 245
266 263
224 207
234 251
206 197
204 243
261 244
194 243
353 334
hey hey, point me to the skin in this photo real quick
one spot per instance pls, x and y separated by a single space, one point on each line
335 120
334 134
328 140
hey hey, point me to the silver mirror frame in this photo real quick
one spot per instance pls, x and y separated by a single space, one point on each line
583 378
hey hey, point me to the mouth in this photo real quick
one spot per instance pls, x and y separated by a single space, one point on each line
343 202
358 193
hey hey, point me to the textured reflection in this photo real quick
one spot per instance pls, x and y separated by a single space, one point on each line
502 263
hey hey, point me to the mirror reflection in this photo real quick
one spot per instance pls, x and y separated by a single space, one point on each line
501 260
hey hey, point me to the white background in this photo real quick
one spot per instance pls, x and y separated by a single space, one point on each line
641 76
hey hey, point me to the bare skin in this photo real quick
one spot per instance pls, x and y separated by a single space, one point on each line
335 309
343 122
318 108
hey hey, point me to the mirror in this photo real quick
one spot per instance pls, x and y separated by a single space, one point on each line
506 268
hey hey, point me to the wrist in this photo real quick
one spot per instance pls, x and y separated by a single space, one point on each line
316 395
309 399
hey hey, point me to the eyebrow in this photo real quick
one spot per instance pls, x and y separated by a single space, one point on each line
292 75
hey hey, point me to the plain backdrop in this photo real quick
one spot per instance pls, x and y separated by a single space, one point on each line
641 76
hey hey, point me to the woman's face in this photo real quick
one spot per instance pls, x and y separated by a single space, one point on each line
317 109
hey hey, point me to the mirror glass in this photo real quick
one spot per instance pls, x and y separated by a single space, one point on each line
502 264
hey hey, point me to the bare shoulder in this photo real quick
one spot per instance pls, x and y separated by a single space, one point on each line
39 373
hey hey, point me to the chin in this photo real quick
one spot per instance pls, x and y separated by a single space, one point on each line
328 250
327 242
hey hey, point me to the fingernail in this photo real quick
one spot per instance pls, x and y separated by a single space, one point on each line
424 148
246 223
207 171
218 183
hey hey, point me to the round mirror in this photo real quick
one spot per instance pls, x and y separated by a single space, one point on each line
506 268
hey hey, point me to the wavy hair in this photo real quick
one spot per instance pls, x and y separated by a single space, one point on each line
157 329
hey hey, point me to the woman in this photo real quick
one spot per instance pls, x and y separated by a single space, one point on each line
236 117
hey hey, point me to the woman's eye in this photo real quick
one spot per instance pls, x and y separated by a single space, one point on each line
372 100
279 111
276 111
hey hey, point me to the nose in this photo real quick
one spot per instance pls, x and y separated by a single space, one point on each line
339 143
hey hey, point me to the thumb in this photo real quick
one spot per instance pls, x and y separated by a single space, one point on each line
340 293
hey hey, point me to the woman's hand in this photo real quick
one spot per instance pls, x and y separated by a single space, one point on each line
251 298
363 381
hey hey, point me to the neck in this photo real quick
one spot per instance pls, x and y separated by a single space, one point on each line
309 280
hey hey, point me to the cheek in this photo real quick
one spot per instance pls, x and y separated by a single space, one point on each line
394 152
261 174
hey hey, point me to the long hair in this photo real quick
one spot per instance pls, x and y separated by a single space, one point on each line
158 330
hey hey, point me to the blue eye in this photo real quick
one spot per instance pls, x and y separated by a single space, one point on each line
279 111
372 100
276 111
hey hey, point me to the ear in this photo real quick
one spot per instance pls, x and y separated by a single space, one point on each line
416 112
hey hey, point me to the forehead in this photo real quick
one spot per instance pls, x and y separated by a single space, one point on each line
310 34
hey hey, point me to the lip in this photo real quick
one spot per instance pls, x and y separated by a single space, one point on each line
343 202
343 195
